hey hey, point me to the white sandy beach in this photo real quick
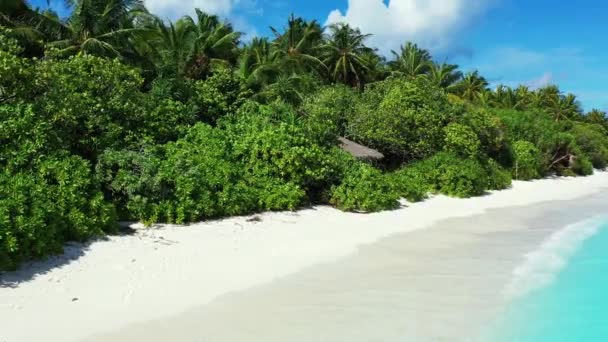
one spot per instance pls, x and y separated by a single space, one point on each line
158 273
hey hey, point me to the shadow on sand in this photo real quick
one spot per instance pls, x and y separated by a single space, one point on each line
72 251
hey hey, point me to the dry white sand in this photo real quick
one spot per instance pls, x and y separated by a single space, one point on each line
451 282
162 272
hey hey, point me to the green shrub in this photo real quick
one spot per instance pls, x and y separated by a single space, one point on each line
327 112
577 164
407 184
184 181
92 103
403 118
16 73
24 137
42 208
85 105
582 166
130 179
528 159
364 189
550 138
275 195
252 165
196 172
272 148
219 95
165 120
451 175
461 140
491 133
498 177
593 143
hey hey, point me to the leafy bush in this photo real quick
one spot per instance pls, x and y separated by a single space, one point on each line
491 133
250 166
403 118
364 189
24 137
461 140
449 174
85 105
273 148
91 103
498 177
409 185
187 180
165 120
327 112
581 166
219 95
130 179
551 139
527 161
16 75
593 143
41 209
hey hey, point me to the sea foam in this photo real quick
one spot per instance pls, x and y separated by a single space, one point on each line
542 266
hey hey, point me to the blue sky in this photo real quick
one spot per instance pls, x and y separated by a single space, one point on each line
534 42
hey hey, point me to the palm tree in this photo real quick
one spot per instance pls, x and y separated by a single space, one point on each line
288 88
471 86
537 99
524 97
444 75
297 48
377 69
192 47
485 98
504 97
597 117
256 66
509 98
560 107
345 55
548 96
213 42
567 108
13 11
174 41
29 26
411 61
100 27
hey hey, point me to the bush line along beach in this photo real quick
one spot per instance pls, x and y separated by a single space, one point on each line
116 115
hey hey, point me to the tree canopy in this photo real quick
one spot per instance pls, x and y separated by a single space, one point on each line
115 114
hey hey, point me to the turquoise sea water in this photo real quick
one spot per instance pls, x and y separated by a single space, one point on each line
573 305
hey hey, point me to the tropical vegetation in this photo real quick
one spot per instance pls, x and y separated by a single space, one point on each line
115 114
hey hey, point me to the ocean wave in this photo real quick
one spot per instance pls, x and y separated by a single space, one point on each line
542 266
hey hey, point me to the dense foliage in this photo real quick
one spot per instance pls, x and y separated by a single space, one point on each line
53 202
403 118
114 114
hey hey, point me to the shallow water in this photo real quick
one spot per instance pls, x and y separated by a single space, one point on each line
573 306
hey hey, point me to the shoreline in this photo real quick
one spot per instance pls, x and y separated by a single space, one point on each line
158 273
542 265
448 282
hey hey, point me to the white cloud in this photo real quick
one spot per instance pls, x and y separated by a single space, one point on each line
430 23
174 9
513 59
544 80
234 10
